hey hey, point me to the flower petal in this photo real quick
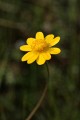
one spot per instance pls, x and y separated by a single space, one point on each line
49 38
30 40
54 41
32 58
54 50
46 55
25 48
39 35
27 56
40 60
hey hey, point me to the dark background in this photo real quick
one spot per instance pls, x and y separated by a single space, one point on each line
21 85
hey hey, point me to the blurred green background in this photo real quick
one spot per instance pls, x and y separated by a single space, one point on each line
21 85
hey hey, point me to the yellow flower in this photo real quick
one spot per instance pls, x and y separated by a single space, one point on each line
40 48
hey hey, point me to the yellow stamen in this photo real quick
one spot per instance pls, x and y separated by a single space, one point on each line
39 45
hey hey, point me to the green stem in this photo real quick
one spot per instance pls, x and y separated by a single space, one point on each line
40 100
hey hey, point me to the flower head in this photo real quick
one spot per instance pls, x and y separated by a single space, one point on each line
40 48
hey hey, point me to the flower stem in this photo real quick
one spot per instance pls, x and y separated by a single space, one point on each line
40 100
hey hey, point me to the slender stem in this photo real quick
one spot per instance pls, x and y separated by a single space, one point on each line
37 105
40 100
47 70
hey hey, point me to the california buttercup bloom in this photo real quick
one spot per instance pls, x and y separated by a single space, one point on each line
40 48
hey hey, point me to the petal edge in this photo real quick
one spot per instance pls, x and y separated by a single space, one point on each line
25 48
33 58
30 40
39 35
40 60
54 50
55 41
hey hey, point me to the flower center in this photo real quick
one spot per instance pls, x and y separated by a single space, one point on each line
40 45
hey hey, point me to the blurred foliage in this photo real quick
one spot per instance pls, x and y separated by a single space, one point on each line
21 85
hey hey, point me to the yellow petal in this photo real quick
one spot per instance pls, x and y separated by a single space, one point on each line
25 48
54 41
54 50
49 38
46 55
30 41
27 56
32 58
39 35
40 60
